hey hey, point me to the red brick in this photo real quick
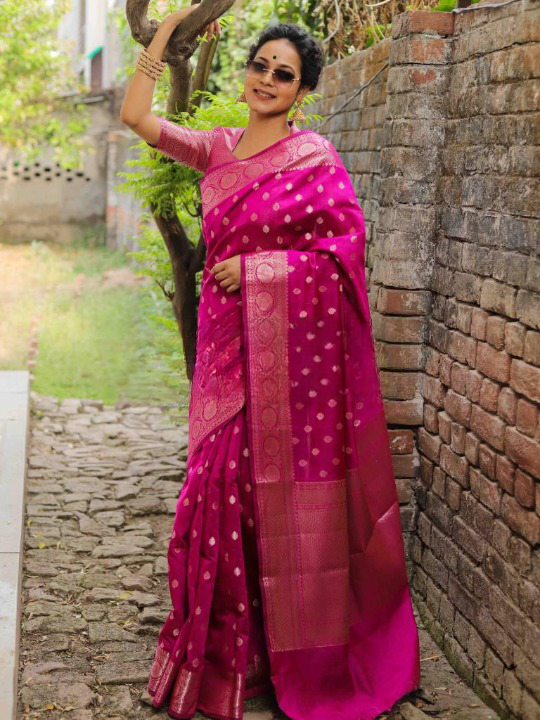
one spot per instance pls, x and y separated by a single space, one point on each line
505 471
474 383
453 493
514 338
405 466
397 329
433 390
401 441
478 323
428 444
462 347
525 379
398 385
398 357
531 352
489 395
455 465
500 537
523 450
526 417
519 554
431 366
439 482
525 522
483 522
487 459
422 21
507 406
404 490
445 370
403 412
489 427
430 418
495 331
445 427
528 307
403 302
498 298
493 363
486 491
427 50
458 378
437 334
468 540
462 318
458 407
426 471
472 445
524 489
458 434
439 512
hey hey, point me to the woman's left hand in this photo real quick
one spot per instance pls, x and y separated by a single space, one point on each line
228 273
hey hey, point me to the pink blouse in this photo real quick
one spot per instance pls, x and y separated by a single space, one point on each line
199 149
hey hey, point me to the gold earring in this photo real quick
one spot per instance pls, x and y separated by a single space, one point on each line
298 115
241 97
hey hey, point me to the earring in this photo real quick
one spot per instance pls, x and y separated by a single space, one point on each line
241 97
298 115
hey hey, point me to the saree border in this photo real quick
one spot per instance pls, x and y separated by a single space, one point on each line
292 153
302 526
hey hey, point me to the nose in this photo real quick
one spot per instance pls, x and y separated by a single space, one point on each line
269 71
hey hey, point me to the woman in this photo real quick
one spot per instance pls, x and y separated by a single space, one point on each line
286 559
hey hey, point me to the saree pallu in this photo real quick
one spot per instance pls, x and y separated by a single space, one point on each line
286 562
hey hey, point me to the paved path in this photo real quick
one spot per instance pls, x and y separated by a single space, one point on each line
102 489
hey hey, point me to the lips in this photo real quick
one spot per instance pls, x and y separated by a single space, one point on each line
266 96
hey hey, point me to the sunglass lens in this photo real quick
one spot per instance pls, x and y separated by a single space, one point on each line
284 77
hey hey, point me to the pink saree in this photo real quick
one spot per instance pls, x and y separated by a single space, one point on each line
286 558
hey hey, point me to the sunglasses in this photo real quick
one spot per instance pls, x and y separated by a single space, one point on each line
281 77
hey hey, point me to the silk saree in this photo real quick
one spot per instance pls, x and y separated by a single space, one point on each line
286 558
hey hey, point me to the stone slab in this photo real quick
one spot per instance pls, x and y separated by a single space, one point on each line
14 422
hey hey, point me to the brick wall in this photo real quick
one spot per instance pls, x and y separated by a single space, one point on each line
443 151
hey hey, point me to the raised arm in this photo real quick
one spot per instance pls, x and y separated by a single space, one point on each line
136 111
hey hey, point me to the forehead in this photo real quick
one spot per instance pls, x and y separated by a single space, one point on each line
284 51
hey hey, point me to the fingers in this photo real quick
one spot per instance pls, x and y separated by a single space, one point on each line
213 28
229 284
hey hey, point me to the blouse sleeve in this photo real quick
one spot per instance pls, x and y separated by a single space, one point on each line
185 145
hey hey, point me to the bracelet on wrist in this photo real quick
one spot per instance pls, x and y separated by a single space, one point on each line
150 65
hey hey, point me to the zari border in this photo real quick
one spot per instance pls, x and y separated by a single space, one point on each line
303 149
266 304
302 526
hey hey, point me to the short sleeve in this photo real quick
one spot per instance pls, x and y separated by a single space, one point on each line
185 145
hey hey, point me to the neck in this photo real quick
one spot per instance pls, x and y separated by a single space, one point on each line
270 127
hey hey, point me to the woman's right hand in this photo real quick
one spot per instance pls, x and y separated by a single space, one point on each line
176 17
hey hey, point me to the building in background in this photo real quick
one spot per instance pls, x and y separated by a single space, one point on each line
91 34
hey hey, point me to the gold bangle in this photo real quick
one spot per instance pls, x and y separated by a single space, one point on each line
150 65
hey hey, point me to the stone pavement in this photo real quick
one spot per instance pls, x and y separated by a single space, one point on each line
102 489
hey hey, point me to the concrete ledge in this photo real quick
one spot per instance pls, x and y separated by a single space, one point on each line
14 425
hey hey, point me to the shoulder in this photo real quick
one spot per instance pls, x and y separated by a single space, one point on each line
313 143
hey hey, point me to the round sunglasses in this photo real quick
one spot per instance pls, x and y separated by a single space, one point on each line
258 69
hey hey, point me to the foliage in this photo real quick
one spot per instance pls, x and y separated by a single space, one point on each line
347 26
36 73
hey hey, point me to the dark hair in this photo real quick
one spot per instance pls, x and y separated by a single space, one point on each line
309 49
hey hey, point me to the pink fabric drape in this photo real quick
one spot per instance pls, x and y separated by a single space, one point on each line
289 453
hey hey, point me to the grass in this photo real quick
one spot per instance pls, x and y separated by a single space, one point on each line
94 342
